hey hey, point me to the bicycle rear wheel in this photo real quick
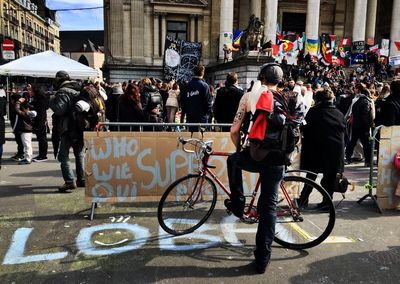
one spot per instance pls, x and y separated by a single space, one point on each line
306 215
186 204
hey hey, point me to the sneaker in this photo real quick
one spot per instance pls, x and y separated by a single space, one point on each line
67 186
80 183
347 161
259 266
24 162
236 210
17 157
39 159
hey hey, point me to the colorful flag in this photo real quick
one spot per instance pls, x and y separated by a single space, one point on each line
312 46
237 35
287 45
397 43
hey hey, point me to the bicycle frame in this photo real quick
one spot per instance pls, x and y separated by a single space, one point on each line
207 171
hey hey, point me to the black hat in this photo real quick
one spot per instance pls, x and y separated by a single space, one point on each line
62 75
271 72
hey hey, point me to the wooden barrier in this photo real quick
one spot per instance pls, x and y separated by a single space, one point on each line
387 174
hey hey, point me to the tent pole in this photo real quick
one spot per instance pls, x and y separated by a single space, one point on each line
7 98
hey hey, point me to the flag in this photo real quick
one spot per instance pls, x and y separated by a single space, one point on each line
287 45
374 48
275 49
312 46
333 41
397 43
237 35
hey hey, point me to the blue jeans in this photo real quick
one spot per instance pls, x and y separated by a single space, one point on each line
63 157
271 177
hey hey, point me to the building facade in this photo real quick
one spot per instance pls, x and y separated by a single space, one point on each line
30 25
135 30
86 47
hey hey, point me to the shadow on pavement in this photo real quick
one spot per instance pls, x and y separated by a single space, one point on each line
137 267
367 267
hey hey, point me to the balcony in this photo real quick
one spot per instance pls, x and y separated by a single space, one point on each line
29 48
29 29
14 21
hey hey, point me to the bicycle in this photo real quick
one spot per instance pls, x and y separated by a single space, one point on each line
189 201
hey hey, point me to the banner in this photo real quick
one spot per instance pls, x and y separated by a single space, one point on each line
385 47
180 58
394 60
312 46
326 51
358 46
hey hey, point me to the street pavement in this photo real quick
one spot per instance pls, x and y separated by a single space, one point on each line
47 237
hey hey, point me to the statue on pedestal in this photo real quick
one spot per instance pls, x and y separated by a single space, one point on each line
252 37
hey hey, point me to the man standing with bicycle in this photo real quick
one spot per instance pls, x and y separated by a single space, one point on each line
271 170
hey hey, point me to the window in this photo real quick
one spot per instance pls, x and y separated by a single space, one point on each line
177 30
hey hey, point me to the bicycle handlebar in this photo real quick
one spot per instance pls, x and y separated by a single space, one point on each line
200 147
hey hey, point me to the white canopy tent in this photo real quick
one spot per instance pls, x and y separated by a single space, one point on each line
46 64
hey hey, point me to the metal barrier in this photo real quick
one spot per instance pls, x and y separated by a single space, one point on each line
178 127
370 186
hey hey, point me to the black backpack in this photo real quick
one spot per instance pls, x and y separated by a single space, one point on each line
278 136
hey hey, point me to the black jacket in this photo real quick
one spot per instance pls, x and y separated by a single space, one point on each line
62 103
389 113
129 111
323 140
3 106
151 98
196 101
40 104
362 113
226 103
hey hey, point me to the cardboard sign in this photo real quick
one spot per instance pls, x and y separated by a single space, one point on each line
387 174
394 60
139 166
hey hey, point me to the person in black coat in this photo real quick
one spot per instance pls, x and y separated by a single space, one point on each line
362 116
40 104
390 108
130 108
227 100
323 142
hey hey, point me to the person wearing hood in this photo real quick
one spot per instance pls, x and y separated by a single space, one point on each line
151 100
362 115
63 105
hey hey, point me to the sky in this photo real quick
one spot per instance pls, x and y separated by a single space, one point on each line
78 20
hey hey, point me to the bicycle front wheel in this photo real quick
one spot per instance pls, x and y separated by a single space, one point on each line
186 204
305 214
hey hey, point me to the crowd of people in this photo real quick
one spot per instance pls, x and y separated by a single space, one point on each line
359 96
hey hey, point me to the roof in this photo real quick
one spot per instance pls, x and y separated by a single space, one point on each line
82 41
202 3
46 64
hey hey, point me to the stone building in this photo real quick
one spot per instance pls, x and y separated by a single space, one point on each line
31 26
135 30
86 47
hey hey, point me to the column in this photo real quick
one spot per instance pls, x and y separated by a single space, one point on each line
126 29
271 18
163 32
255 8
192 28
371 16
200 29
395 28
360 20
225 26
312 26
156 35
